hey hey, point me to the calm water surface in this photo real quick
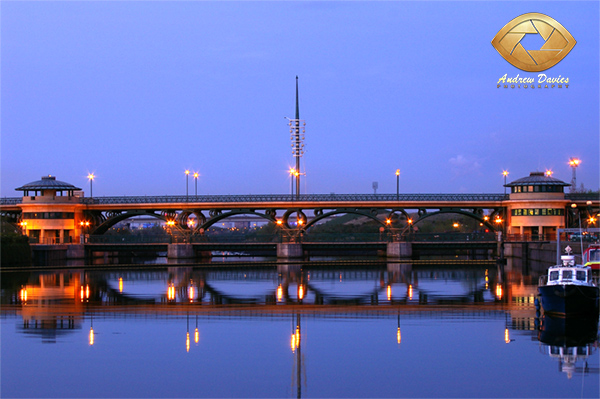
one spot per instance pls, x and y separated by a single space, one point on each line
280 330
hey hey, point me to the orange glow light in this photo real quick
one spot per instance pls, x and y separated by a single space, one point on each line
389 292
498 291
300 292
279 293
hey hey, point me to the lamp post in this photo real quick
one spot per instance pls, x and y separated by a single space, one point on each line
91 179
505 173
196 182
397 184
574 163
187 175
292 174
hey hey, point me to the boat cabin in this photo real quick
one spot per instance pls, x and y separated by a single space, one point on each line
568 272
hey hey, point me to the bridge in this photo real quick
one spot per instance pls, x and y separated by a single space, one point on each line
536 208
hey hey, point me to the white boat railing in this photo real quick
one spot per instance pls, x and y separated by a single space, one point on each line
594 279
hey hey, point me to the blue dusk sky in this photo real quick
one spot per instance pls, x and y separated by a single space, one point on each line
137 92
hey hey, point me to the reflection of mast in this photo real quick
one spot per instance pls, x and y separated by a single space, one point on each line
298 369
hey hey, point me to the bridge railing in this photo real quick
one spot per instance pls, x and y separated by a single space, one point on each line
529 237
291 198
129 239
452 237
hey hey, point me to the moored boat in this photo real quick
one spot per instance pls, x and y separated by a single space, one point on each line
569 289
591 257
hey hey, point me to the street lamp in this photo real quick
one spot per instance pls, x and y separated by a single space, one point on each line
187 175
292 174
574 163
91 179
505 173
23 227
549 173
196 174
397 184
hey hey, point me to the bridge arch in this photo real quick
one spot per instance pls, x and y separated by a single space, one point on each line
115 218
319 215
477 216
217 216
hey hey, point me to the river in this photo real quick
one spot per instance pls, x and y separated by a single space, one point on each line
259 328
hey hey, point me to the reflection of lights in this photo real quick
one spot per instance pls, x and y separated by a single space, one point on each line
389 292
498 291
300 291
196 335
23 294
171 292
91 337
187 341
279 293
295 341
506 336
120 284
410 291
191 293
398 336
85 292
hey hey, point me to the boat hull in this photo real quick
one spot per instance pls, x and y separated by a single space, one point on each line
569 300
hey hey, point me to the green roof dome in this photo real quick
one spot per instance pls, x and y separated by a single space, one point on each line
47 183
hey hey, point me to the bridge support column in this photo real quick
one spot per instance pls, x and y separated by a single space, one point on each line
399 250
180 251
289 250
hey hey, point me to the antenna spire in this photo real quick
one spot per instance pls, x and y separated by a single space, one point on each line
297 133
297 104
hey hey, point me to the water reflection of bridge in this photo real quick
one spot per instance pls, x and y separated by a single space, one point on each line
284 285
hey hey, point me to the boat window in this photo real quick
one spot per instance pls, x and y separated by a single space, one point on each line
567 274
554 275
581 275
595 254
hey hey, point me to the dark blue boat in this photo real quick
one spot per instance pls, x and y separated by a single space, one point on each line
569 290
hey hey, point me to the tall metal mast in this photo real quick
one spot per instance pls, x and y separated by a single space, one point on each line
297 137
